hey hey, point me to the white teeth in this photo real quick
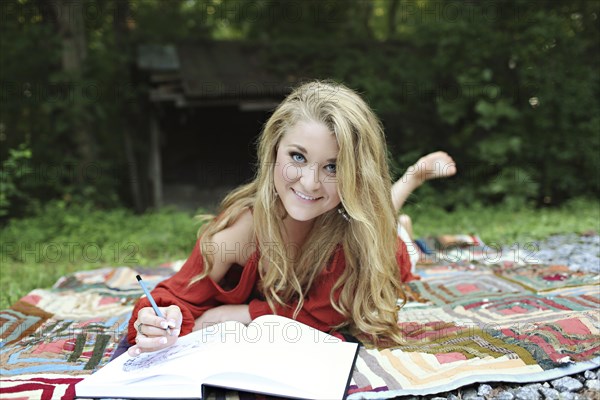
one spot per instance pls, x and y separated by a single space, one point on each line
305 197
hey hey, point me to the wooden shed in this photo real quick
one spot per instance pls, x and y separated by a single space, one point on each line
208 102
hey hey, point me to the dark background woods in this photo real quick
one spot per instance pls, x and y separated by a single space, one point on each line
509 88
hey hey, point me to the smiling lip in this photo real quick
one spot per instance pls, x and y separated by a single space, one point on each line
304 197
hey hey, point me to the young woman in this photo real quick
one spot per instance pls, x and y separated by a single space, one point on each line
313 237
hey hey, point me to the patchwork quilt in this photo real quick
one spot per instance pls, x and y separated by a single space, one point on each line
470 318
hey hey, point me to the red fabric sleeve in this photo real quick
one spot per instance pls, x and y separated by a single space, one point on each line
404 264
317 311
195 299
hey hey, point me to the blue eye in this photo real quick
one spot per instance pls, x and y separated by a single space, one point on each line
297 157
331 168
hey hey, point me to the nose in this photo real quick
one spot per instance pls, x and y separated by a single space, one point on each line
311 179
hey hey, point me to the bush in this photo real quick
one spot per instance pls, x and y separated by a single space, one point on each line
14 168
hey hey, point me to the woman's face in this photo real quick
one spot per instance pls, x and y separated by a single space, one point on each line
305 171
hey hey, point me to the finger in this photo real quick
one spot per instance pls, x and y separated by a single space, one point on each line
145 343
152 331
134 351
151 319
173 316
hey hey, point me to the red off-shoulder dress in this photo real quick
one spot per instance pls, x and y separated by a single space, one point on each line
241 288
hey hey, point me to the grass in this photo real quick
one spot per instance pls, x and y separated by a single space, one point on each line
506 226
36 251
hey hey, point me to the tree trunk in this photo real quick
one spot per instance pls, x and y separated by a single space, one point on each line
391 28
122 47
72 32
155 167
71 29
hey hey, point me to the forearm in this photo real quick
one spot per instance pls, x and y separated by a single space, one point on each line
226 312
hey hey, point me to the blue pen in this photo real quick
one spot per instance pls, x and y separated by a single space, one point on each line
151 299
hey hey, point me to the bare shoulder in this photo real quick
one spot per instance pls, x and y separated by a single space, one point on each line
236 243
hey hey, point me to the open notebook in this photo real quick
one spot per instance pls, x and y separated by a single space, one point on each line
273 355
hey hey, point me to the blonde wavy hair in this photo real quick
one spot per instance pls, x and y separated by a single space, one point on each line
370 284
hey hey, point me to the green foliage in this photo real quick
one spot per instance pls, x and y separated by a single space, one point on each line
14 168
510 88
511 93
506 88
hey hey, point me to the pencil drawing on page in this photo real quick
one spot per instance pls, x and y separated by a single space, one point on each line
148 360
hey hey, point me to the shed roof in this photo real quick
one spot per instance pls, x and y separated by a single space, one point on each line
209 73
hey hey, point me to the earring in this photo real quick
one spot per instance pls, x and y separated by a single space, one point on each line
344 214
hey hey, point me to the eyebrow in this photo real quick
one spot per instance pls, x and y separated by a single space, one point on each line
303 150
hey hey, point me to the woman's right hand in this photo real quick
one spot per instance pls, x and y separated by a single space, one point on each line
156 333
